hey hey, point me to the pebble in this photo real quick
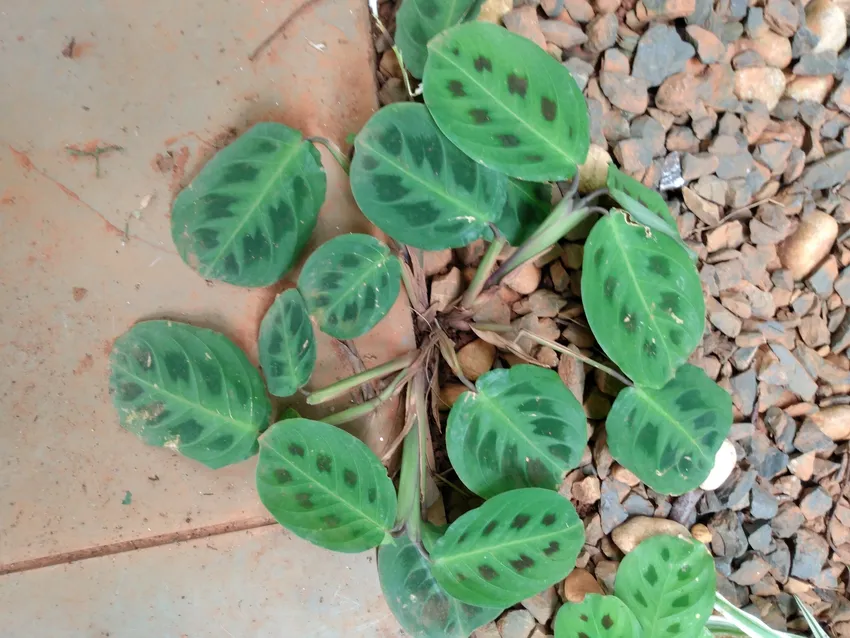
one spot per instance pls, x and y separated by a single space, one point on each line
763 504
826 173
780 561
524 279
787 521
765 84
435 261
761 540
632 533
611 511
698 165
564 35
449 393
660 54
750 571
826 19
811 242
446 288
494 10
815 503
727 536
633 156
668 9
709 47
578 584
834 422
580 70
602 33
810 88
724 462
606 571
781 16
518 623
587 491
524 21
543 605
625 92
701 533
476 358
707 211
810 553
823 63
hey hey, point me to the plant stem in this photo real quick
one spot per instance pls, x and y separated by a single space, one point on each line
349 383
483 272
371 405
564 350
334 150
585 201
409 516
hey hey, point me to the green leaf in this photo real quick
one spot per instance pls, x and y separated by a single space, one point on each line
287 345
512 547
737 622
596 617
642 297
188 389
417 187
811 621
419 604
325 485
522 428
669 437
669 584
417 21
527 205
349 284
245 218
506 102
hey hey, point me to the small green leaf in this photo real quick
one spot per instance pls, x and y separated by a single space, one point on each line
419 604
737 622
324 485
669 437
642 297
522 428
811 621
418 187
245 218
506 102
417 21
188 389
669 584
287 345
527 205
596 617
512 547
349 284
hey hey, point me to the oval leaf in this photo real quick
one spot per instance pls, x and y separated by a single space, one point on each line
325 485
669 437
287 345
506 102
642 297
669 584
188 389
527 205
417 21
349 284
597 617
522 428
245 218
512 547
419 604
417 187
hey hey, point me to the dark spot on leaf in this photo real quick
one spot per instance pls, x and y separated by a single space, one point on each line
128 391
372 494
629 321
640 599
488 529
670 301
349 477
456 51
462 537
483 64
684 573
534 158
665 554
650 575
368 162
349 260
487 572
674 629
554 547
517 85
456 88
598 256
548 108
429 8
389 188
709 439
349 313
659 265
548 519
650 349
562 451
222 443
324 463
330 279
282 476
304 500
241 172
581 634
676 336
296 450
460 577
331 520
607 622
391 140
704 420
508 140
681 602
610 286
689 400
584 618
177 366
188 431
522 563
479 116
520 521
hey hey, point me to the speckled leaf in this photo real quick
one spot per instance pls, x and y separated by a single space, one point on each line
669 437
522 428
325 485
417 21
418 187
287 345
512 547
188 389
245 218
419 604
527 205
596 617
506 102
669 584
642 297
349 284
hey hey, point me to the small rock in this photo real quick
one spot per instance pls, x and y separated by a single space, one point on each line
587 491
706 211
572 374
765 84
578 584
810 553
747 59
697 165
494 10
660 54
580 70
489 630
722 319
601 33
633 155
729 235
701 533
524 21
781 16
668 9
476 358
709 47
611 511
761 540
826 19
826 173
632 533
811 242
810 88
834 422
823 278
436 261
752 570
449 393
671 173
564 35
780 561
518 623
606 571
786 523
763 504
816 503
842 286
593 174
524 279
543 605
393 91
580 10
446 288
724 462
727 536
823 63
625 92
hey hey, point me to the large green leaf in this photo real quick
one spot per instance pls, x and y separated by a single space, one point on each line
419 604
417 187
669 584
188 389
506 102
642 297
245 218
325 485
669 437
417 21
349 284
512 547
521 428
527 205
596 617
287 345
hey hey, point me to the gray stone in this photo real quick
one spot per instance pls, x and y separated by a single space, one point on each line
611 511
812 113
763 504
615 127
580 70
786 523
766 459
727 536
744 388
755 22
826 173
543 605
660 54
774 155
842 286
650 131
684 508
626 92
799 381
823 63
563 34
518 623
596 114
601 33
810 553
810 438
841 336
816 503
747 59
803 42
701 13
637 505
732 166
783 428
697 165
782 16
736 487
750 571
780 561
671 173
761 539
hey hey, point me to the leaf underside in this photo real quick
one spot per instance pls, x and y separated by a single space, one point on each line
325 485
511 547
596 617
526 206
669 585
418 187
188 389
669 437
419 604
246 216
417 21
642 297
349 284
287 345
522 428
506 102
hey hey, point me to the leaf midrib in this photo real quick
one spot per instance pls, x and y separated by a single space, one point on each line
495 548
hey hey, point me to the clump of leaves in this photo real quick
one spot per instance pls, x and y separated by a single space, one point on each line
501 121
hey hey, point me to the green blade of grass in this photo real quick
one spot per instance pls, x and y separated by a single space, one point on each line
817 630
746 624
